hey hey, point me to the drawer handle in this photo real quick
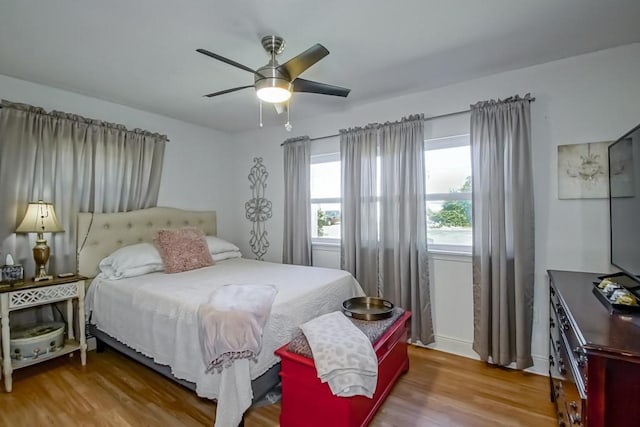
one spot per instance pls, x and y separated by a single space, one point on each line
559 392
575 418
561 367
561 419
581 358
551 362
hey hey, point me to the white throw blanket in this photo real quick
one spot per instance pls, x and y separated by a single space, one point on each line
231 323
230 329
343 355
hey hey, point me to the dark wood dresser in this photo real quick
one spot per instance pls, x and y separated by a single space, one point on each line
594 356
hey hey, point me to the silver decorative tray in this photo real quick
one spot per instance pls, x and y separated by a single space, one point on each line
367 308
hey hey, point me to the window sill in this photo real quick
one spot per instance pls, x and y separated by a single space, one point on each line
435 253
444 255
453 252
326 245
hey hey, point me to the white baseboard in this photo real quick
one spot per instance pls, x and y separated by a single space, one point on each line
540 365
455 346
465 349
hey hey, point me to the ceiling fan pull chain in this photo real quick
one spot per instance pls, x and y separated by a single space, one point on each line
287 125
260 102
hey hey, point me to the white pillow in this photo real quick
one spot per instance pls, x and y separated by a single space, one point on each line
130 261
218 245
226 255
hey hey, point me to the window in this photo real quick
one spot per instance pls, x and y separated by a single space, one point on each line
325 198
448 186
448 198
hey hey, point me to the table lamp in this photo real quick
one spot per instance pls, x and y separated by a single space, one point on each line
40 218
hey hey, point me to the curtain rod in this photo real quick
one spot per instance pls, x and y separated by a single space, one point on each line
426 119
126 128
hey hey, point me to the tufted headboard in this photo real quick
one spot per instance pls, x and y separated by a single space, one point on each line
100 234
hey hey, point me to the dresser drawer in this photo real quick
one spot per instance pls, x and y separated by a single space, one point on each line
571 408
574 398
555 342
573 356
567 392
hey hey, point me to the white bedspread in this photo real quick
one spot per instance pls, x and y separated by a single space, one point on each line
156 314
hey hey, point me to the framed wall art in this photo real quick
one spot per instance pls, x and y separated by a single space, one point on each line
583 171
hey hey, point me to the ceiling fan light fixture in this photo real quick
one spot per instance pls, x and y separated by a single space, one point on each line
273 95
273 91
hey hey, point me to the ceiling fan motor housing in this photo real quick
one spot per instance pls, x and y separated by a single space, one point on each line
271 76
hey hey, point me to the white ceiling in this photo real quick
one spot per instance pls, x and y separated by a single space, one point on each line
142 53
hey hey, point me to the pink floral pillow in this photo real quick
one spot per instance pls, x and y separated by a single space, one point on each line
183 249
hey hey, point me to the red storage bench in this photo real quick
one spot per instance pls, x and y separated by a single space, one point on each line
306 402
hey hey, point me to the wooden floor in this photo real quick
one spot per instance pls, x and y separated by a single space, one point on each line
440 389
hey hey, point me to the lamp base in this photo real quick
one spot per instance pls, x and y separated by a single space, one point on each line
41 256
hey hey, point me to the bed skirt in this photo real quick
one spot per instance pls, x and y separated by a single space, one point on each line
261 385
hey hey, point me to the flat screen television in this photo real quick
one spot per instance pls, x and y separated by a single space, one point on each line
624 202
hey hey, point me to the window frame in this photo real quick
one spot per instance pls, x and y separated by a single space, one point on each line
454 141
325 158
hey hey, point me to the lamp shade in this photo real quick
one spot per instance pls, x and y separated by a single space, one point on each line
40 218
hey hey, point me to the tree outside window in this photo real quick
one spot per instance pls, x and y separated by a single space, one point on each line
454 213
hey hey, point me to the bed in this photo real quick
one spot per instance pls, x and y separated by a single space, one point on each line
152 317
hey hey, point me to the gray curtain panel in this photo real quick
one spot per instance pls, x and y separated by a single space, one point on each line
78 164
384 237
296 247
359 229
503 231
404 266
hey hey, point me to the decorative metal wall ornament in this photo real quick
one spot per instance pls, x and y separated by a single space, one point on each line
258 209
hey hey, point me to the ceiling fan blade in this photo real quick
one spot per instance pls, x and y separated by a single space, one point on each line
222 92
225 60
296 65
302 85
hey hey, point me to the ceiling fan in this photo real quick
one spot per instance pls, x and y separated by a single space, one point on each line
274 83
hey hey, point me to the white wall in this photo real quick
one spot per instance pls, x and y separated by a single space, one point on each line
196 165
592 97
